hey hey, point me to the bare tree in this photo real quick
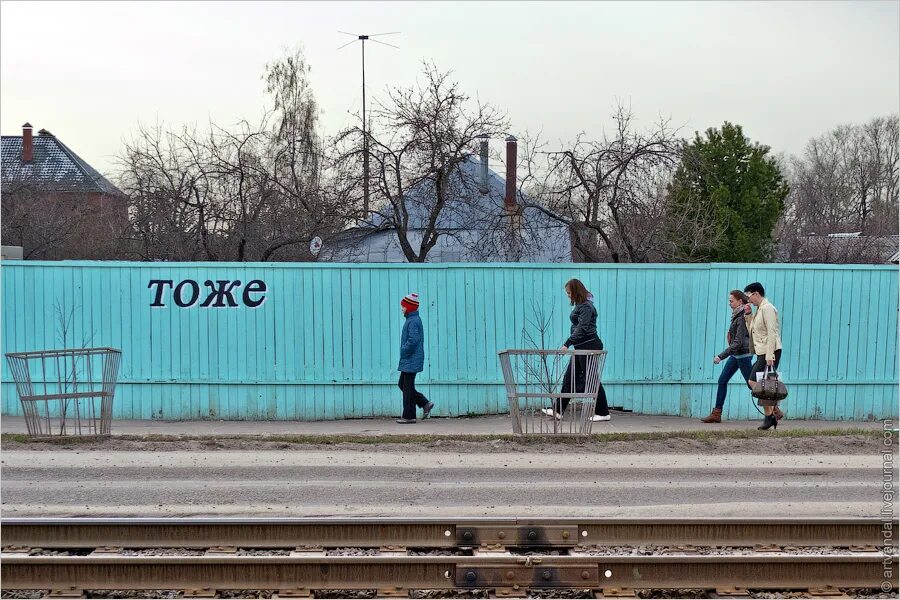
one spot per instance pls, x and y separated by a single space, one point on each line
882 152
243 184
608 192
53 224
248 192
681 235
535 335
420 138
27 222
844 195
175 213
74 369
312 191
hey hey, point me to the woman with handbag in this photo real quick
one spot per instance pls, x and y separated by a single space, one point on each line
765 343
737 355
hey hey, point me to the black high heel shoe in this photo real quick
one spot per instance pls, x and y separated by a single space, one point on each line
769 421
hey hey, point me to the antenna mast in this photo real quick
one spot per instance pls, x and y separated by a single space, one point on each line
362 38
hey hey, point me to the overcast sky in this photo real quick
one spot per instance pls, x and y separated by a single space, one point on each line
90 72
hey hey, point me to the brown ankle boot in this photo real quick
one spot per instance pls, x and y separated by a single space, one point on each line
714 417
778 414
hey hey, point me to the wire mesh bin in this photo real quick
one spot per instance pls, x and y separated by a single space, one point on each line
552 391
66 392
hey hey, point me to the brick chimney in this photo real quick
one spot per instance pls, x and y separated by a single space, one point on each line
510 199
483 164
27 144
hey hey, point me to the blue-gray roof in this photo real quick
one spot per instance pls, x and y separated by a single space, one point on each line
53 167
466 207
474 227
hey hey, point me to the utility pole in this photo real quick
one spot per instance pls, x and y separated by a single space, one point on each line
362 45
362 38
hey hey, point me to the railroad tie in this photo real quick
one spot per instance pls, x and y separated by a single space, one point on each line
512 592
199 593
490 550
69 592
292 593
827 592
731 592
617 593
688 549
392 550
394 592
308 551
106 550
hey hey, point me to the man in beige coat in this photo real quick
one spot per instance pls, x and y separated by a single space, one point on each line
765 343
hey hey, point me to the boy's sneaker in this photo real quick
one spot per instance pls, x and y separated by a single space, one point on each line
596 418
426 410
551 413
406 421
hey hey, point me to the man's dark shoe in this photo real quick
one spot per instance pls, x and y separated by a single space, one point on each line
406 421
426 410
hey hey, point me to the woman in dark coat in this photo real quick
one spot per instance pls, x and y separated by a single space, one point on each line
736 355
583 336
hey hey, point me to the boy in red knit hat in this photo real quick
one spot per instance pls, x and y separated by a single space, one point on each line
412 361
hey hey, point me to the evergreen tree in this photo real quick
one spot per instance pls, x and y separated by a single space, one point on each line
737 188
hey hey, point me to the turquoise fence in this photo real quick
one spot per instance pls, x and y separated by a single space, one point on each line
320 341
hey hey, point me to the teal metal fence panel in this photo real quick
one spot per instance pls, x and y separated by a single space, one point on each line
323 344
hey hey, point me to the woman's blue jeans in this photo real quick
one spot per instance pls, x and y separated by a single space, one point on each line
729 368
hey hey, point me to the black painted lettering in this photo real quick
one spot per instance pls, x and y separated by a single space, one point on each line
219 291
160 286
254 287
195 293
222 293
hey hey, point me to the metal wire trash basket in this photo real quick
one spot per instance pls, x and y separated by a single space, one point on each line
60 392
537 380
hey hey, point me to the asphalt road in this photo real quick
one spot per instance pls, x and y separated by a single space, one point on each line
422 484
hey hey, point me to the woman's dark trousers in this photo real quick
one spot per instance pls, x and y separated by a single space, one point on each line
411 397
760 365
601 408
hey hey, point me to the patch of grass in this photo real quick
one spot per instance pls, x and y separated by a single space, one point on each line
303 439
23 438
735 434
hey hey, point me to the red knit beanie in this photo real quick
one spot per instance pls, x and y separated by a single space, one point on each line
410 302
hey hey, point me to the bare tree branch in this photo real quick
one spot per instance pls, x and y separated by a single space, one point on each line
419 139
608 191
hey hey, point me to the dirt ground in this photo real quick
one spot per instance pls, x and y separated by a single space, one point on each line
751 444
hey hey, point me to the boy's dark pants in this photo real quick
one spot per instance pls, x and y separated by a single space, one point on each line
411 397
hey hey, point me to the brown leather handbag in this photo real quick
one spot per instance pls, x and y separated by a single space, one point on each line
770 390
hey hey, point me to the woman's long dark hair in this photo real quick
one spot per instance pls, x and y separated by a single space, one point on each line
577 291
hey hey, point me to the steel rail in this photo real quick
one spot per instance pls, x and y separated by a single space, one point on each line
433 533
439 572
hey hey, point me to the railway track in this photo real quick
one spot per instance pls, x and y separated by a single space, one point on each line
505 557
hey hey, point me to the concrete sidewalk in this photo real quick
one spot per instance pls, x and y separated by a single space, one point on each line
490 425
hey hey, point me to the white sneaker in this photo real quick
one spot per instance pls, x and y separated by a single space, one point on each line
596 418
551 413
